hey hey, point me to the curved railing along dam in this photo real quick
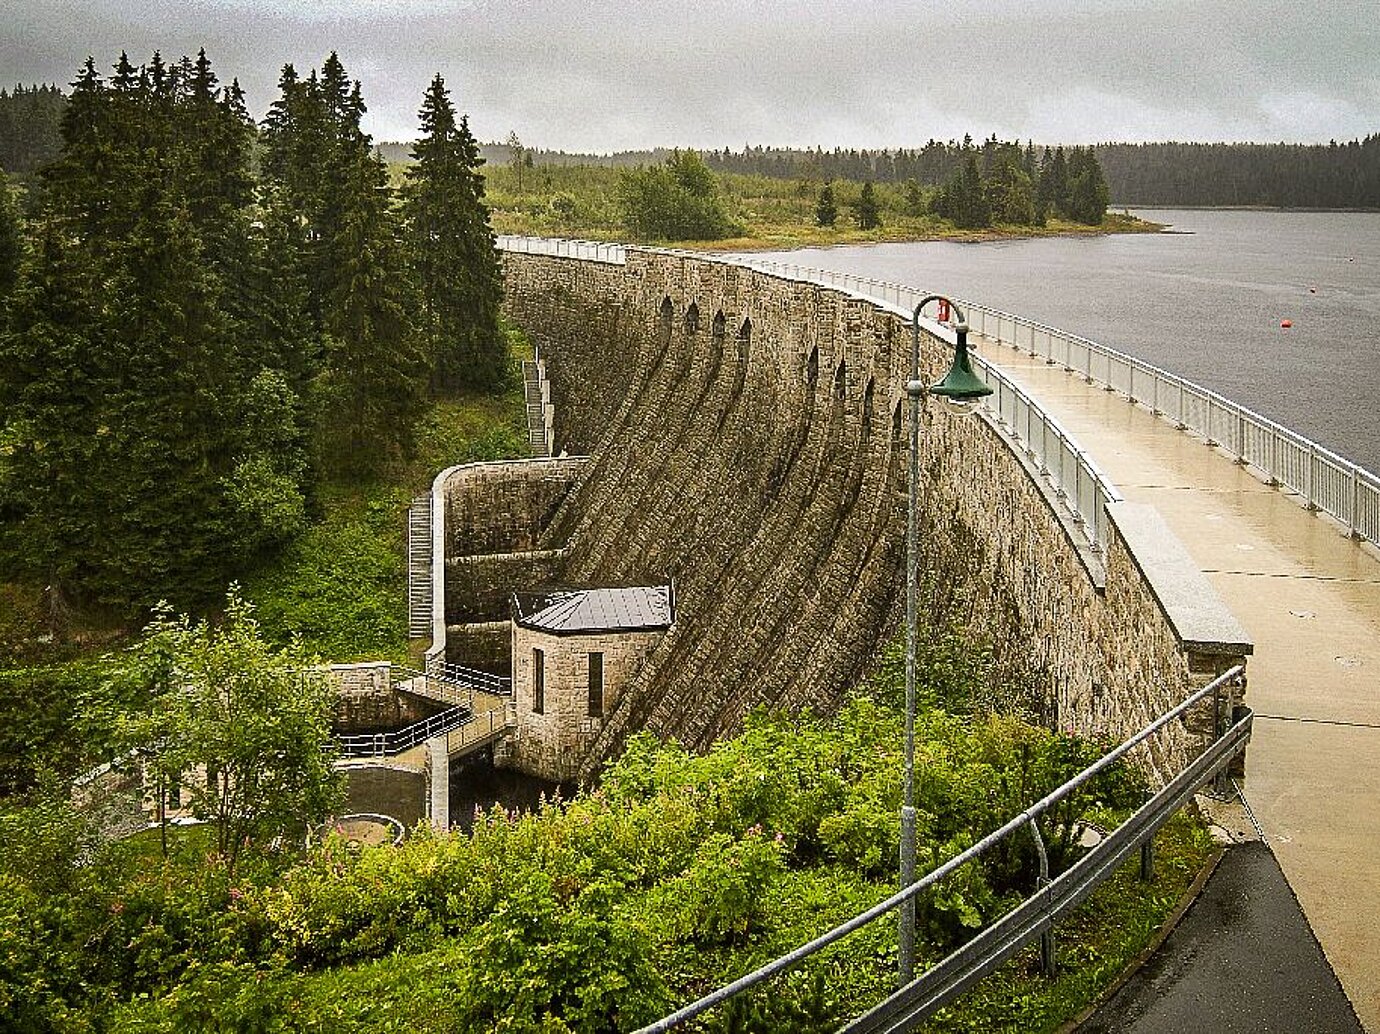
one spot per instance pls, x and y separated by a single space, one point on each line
745 441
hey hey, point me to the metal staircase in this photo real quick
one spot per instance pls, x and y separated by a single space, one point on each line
536 409
419 567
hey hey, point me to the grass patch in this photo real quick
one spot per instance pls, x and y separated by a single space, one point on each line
341 587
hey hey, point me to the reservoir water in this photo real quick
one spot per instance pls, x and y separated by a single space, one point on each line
1204 301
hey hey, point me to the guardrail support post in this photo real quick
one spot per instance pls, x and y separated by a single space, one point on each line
1046 938
1147 859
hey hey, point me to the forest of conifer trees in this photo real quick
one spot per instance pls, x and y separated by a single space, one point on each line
203 318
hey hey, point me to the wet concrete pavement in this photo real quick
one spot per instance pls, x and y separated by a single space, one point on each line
1310 599
1243 960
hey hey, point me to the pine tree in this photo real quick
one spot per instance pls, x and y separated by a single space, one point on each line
1053 194
1087 192
372 389
451 251
136 473
11 243
826 210
867 213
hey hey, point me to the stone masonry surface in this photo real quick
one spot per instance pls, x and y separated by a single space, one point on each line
552 743
759 459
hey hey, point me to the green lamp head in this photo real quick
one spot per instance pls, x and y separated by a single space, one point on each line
960 384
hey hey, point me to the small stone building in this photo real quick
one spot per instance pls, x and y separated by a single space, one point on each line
574 651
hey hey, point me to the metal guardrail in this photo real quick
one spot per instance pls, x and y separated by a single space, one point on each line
1324 480
1036 916
1077 480
1084 490
381 744
471 678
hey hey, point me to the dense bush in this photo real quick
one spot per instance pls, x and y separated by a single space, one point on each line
677 201
595 913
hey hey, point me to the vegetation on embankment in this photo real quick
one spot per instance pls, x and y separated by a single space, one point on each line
678 873
582 202
340 587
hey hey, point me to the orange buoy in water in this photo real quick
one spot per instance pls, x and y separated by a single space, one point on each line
1286 324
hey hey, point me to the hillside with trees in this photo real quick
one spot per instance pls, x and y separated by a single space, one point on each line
195 340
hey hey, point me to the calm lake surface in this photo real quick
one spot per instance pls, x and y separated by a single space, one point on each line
1204 302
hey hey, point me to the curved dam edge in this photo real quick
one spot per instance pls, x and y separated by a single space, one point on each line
744 437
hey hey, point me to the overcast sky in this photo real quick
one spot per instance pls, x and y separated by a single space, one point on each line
592 75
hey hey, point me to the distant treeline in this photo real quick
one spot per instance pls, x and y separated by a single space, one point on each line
1333 175
1278 175
29 127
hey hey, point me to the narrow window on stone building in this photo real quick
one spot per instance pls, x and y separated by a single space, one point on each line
596 685
692 319
538 681
744 340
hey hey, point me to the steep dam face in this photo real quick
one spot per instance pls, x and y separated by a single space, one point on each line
746 437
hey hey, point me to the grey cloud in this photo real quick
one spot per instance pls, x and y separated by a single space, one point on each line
603 76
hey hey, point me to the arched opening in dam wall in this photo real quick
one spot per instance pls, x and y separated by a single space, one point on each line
743 441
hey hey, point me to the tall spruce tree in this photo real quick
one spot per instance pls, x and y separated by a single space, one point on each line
451 251
867 213
134 472
373 387
826 209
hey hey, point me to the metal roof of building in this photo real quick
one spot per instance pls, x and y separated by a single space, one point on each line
576 611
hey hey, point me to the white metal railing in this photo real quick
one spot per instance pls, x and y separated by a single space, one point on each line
590 251
1325 480
1084 490
1078 483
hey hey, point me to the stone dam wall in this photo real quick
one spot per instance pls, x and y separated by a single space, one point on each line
745 437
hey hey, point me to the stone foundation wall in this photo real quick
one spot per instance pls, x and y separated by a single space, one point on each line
503 507
365 700
494 516
752 449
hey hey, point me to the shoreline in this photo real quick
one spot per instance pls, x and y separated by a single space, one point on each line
989 235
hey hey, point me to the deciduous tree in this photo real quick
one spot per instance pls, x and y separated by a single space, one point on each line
242 728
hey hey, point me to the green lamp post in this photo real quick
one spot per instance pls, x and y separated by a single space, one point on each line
960 385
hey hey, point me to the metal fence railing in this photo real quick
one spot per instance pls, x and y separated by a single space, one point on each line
1083 489
1324 480
1077 482
472 678
381 744
591 251
1036 916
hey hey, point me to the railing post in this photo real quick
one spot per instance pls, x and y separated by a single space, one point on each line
1147 859
1046 938
1351 523
1312 460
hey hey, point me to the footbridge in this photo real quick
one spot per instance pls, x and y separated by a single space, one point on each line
1134 535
